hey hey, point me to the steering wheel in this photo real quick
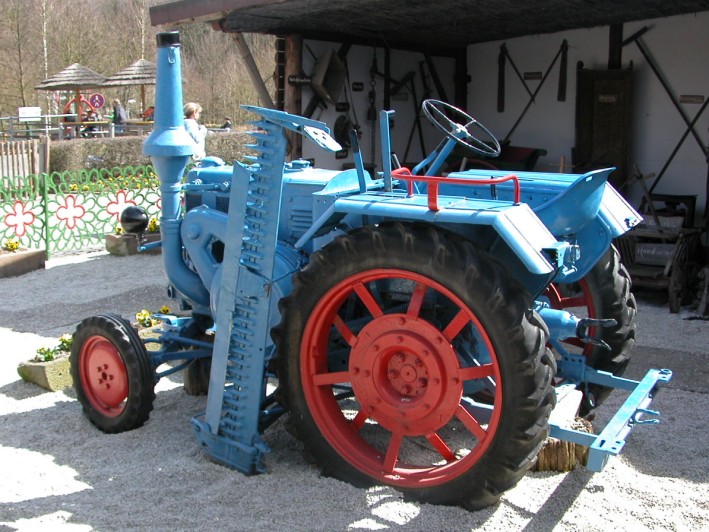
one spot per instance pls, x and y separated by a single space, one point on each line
459 126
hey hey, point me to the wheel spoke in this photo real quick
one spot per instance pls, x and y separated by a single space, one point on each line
358 421
441 447
328 379
366 296
344 330
476 372
416 300
456 325
570 302
471 423
392 453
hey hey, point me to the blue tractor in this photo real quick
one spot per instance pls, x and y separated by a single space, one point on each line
416 329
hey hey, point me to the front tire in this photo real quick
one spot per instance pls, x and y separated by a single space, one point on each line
411 359
112 373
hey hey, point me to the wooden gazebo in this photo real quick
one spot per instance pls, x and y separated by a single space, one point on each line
142 73
73 78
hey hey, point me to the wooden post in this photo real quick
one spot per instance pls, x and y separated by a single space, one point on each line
43 166
615 47
293 94
461 78
252 68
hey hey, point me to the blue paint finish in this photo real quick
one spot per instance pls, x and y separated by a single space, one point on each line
248 228
611 440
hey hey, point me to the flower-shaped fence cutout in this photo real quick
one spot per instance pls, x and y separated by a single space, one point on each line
121 201
19 218
71 211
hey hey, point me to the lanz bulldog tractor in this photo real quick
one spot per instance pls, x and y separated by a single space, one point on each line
416 329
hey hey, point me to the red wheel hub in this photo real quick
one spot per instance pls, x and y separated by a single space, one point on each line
404 375
103 375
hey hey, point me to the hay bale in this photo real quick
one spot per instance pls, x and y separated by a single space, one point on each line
558 455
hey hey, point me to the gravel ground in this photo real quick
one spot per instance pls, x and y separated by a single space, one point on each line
59 472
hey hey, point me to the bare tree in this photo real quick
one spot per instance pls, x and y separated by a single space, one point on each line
17 40
216 75
44 10
42 37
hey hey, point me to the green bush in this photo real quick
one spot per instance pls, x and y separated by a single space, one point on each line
79 154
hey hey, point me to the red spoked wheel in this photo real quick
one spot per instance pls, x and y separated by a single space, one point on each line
406 377
112 373
604 293
431 377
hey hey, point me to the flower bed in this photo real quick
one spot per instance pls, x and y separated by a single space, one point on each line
50 368
15 260
123 245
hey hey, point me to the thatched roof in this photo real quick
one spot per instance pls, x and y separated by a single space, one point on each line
72 77
141 72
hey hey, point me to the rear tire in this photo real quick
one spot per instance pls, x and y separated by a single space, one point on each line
387 336
196 376
112 373
603 293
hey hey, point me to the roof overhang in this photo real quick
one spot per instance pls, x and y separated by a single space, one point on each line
436 26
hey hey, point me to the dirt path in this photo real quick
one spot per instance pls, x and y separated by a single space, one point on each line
60 473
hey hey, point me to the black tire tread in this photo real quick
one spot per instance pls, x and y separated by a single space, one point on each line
610 285
527 371
141 391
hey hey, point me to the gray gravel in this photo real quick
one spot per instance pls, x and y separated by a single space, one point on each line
58 472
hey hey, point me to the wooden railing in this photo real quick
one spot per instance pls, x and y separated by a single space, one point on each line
23 157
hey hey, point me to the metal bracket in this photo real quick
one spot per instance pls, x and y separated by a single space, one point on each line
611 440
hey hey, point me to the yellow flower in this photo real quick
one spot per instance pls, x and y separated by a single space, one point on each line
145 319
11 244
153 225
65 341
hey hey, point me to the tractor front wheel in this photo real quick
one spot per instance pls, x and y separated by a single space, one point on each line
409 358
112 372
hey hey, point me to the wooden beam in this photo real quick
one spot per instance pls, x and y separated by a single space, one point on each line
293 96
259 85
461 78
188 11
615 47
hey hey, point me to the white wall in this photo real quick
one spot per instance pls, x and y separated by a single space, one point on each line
359 61
679 47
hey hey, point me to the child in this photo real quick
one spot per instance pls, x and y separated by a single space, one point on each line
198 132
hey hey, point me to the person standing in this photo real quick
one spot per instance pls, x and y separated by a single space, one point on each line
197 131
119 116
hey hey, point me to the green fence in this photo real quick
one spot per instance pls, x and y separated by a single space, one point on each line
73 210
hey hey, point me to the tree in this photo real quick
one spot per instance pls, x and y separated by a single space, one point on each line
18 38
40 38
